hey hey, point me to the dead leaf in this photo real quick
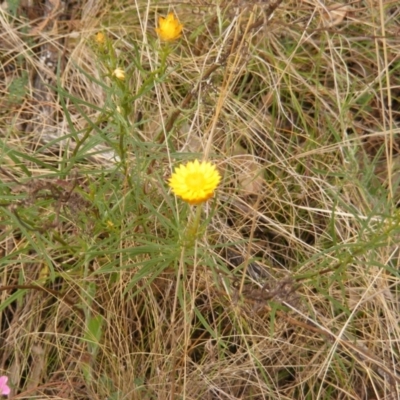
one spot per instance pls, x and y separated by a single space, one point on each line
334 15
248 171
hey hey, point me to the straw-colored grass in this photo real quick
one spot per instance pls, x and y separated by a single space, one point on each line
291 289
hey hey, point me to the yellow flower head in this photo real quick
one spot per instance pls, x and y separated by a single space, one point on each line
100 38
195 182
119 73
169 28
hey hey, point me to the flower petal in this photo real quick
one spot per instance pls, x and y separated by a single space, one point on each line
195 182
169 28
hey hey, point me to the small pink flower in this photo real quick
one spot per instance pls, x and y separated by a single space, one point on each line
4 388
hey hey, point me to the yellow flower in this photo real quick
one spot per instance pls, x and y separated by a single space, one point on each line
195 182
169 28
119 73
100 38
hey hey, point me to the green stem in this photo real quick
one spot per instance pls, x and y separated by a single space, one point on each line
193 227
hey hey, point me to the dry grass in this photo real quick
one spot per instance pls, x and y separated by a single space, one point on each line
293 290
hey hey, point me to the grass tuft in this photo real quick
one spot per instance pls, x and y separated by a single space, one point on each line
287 287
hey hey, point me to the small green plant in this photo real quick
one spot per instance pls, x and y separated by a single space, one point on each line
133 266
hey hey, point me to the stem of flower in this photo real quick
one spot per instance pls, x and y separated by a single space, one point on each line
193 227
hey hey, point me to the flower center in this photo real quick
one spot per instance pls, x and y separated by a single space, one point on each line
195 181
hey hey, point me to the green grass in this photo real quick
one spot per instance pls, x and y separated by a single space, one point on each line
290 291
